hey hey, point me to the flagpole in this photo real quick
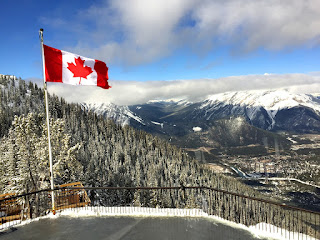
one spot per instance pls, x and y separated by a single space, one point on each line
48 123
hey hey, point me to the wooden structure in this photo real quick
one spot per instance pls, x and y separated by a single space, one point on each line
71 195
10 208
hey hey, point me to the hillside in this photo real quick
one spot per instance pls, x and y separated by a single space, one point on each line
230 133
205 123
260 133
108 154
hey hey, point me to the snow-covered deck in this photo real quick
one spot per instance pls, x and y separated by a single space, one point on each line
259 231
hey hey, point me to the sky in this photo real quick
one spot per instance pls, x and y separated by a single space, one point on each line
168 48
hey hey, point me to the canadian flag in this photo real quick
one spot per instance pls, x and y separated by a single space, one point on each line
69 68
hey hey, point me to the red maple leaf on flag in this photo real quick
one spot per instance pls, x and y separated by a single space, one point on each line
79 70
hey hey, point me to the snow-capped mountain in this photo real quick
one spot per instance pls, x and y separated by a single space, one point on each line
172 101
271 110
120 114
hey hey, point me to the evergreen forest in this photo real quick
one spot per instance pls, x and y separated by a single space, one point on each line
88 148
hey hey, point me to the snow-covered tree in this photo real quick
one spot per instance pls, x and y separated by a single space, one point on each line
24 155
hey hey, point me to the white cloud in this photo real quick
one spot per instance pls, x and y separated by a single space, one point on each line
146 29
140 31
271 24
129 93
132 32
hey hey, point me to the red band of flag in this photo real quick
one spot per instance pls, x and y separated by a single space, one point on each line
69 68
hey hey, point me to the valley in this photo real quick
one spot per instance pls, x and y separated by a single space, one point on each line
291 176
226 138
269 140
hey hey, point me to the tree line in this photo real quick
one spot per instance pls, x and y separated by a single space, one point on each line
88 148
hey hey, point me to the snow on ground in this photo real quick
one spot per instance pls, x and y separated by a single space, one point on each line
273 232
272 100
132 211
7 225
178 101
197 129
131 115
261 230
157 123
239 172
290 139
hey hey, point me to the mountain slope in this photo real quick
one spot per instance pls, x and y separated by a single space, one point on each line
232 132
276 110
270 110
109 154
273 110
120 114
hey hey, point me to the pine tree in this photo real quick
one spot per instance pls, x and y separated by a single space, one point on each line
24 151
106 153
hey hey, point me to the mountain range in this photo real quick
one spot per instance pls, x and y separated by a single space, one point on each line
226 119
215 131
96 151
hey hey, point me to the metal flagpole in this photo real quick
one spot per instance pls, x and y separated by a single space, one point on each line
48 125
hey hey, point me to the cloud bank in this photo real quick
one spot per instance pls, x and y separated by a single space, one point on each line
134 32
130 93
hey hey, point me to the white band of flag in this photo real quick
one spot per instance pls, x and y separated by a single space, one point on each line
69 68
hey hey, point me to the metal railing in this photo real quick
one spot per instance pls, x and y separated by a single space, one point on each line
287 221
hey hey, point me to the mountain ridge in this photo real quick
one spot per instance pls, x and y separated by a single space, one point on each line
262 113
273 110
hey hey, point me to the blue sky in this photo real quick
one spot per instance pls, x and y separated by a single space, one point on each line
166 40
